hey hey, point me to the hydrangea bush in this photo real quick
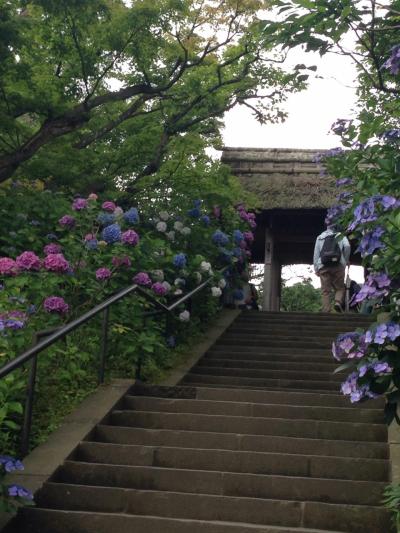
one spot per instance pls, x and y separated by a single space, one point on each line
96 248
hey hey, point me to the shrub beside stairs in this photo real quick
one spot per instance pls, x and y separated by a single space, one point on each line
255 439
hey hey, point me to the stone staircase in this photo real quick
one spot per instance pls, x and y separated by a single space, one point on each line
255 439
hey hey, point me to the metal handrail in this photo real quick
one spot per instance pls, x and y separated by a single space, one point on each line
52 336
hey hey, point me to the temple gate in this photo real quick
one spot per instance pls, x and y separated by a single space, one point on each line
294 197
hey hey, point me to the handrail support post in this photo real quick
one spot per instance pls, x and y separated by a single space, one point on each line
104 343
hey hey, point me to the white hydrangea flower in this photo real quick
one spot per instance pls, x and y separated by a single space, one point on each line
157 275
178 225
216 292
186 231
179 282
170 235
222 283
161 226
163 215
166 285
178 292
205 267
184 316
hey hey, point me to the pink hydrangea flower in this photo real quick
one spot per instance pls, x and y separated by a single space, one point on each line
159 289
52 249
121 261
142 278
103 274
79 203
56 304
67 221
108 206
130 237
56 263
8 266
28 261
92 196
89 237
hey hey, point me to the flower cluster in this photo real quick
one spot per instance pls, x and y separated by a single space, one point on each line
375 286
220 238
371 241
55 304
351 345
368 210
393 62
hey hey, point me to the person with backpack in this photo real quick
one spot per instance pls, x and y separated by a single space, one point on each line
331 255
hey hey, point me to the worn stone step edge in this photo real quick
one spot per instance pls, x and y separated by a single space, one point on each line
51 521
238 442
319 375
223 483
348 431
265 463
286 513
220 407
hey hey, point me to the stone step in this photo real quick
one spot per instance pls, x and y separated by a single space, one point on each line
296 465
273 340
214 361
266 373
262 354
222 483
285 398
237 381
354 519
335 320
211 407
273 350
251 426
37 520
229 385
249 326
238 441
301 333
324 317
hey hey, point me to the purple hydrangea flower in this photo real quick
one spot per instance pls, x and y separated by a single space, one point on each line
10 464
55 304
142 278
393 62
20 492
130 237
121 261
159 289
111 233
79 204
371 241
56 263
8 267
103 274
343 181
28 261
52 249
67 221
375 286
109 206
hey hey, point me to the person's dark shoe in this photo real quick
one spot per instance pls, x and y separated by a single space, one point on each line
338 307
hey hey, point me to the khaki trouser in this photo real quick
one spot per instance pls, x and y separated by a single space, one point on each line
332 279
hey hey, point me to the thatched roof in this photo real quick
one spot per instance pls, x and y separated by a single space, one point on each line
284 178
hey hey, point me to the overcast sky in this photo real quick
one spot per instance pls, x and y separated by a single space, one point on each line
310 116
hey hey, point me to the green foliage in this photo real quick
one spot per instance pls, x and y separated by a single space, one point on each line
95 91
301 297
392 503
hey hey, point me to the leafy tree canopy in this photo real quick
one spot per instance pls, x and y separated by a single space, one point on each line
100 88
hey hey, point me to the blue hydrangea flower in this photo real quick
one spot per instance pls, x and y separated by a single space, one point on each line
220 238
237 252
195 212
91 244
111 233
131 216
237 236
197 203
10 464
106 219
371 241
20 492
206 220
180 260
